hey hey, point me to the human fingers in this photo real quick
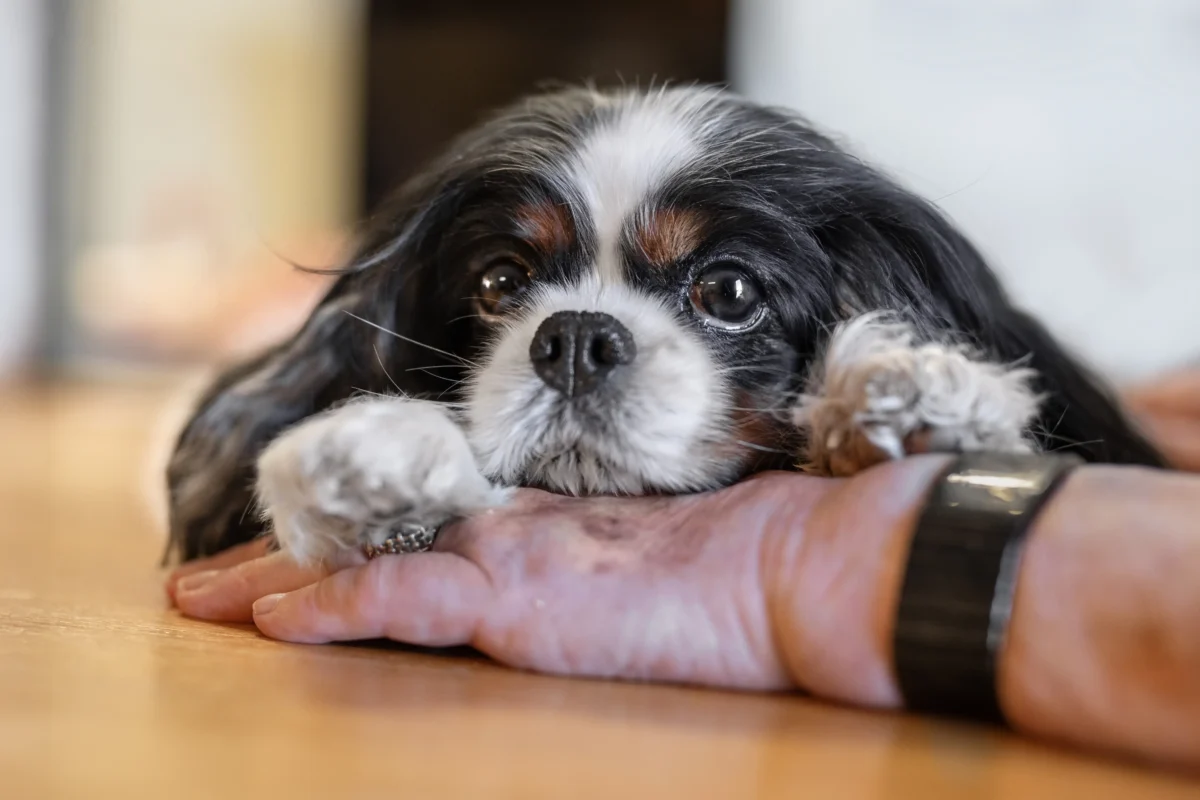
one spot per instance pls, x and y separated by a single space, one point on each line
226 595
226 558
431 599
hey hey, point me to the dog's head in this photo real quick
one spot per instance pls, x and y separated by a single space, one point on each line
623 290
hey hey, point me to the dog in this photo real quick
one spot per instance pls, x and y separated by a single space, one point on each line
626 292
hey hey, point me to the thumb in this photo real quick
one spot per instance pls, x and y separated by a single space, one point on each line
431 599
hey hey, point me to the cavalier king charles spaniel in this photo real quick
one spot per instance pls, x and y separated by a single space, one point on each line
626 292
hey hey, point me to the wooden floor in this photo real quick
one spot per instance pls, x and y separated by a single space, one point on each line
105 693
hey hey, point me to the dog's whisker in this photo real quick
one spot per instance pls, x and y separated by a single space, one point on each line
1065 440
767 412
1057 424
465 316
428 371
448 389
774 370
246 509
404 338
1069 443
762 448
385 371
370 393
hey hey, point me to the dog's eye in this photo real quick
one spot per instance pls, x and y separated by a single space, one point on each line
501 283
726 296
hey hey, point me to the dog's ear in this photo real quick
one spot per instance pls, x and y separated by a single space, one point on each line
1079 414
372 332
893 250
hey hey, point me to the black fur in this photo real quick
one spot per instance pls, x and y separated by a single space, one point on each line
824 233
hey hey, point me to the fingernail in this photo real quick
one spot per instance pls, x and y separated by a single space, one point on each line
265 605
196 580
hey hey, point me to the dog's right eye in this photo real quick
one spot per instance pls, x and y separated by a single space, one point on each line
725 296
502 281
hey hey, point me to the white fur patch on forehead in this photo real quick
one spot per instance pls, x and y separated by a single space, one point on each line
643 141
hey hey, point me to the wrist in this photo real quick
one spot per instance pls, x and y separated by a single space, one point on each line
1103 647
833 580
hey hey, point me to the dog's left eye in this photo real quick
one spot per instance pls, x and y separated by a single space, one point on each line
727 297
501 283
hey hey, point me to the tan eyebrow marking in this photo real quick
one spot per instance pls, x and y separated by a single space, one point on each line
666 235
547 227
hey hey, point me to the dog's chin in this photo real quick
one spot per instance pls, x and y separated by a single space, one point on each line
581 472
580 450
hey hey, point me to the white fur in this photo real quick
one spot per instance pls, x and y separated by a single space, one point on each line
625 158
879 395
349 476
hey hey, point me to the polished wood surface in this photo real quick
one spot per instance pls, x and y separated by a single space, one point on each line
107 693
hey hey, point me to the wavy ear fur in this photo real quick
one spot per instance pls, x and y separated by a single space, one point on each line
893 250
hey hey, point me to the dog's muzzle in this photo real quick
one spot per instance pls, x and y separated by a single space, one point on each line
573 352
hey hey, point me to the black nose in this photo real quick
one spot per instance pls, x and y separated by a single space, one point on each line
574 351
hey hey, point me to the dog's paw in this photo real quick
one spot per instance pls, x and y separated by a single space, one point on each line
353 475
878 395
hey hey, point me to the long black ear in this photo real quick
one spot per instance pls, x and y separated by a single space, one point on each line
1080 414
348 345
893 250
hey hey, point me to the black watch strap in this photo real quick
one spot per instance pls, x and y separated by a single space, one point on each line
958 588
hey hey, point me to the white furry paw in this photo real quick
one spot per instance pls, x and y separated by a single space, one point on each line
878 395
349 476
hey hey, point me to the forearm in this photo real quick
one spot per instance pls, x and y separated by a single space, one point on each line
1104 643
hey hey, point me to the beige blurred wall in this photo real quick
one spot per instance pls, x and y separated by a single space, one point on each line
245 112
203 134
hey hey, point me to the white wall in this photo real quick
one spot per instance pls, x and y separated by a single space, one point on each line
21 54
1064 135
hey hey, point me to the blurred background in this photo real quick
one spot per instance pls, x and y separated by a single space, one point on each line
163 162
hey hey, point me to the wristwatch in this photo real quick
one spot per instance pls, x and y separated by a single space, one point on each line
960 581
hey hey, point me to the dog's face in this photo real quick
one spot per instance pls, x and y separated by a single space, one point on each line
629 289
628 278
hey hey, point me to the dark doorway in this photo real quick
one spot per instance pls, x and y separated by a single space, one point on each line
433 67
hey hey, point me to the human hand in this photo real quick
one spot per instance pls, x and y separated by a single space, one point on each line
779 581
1168 408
